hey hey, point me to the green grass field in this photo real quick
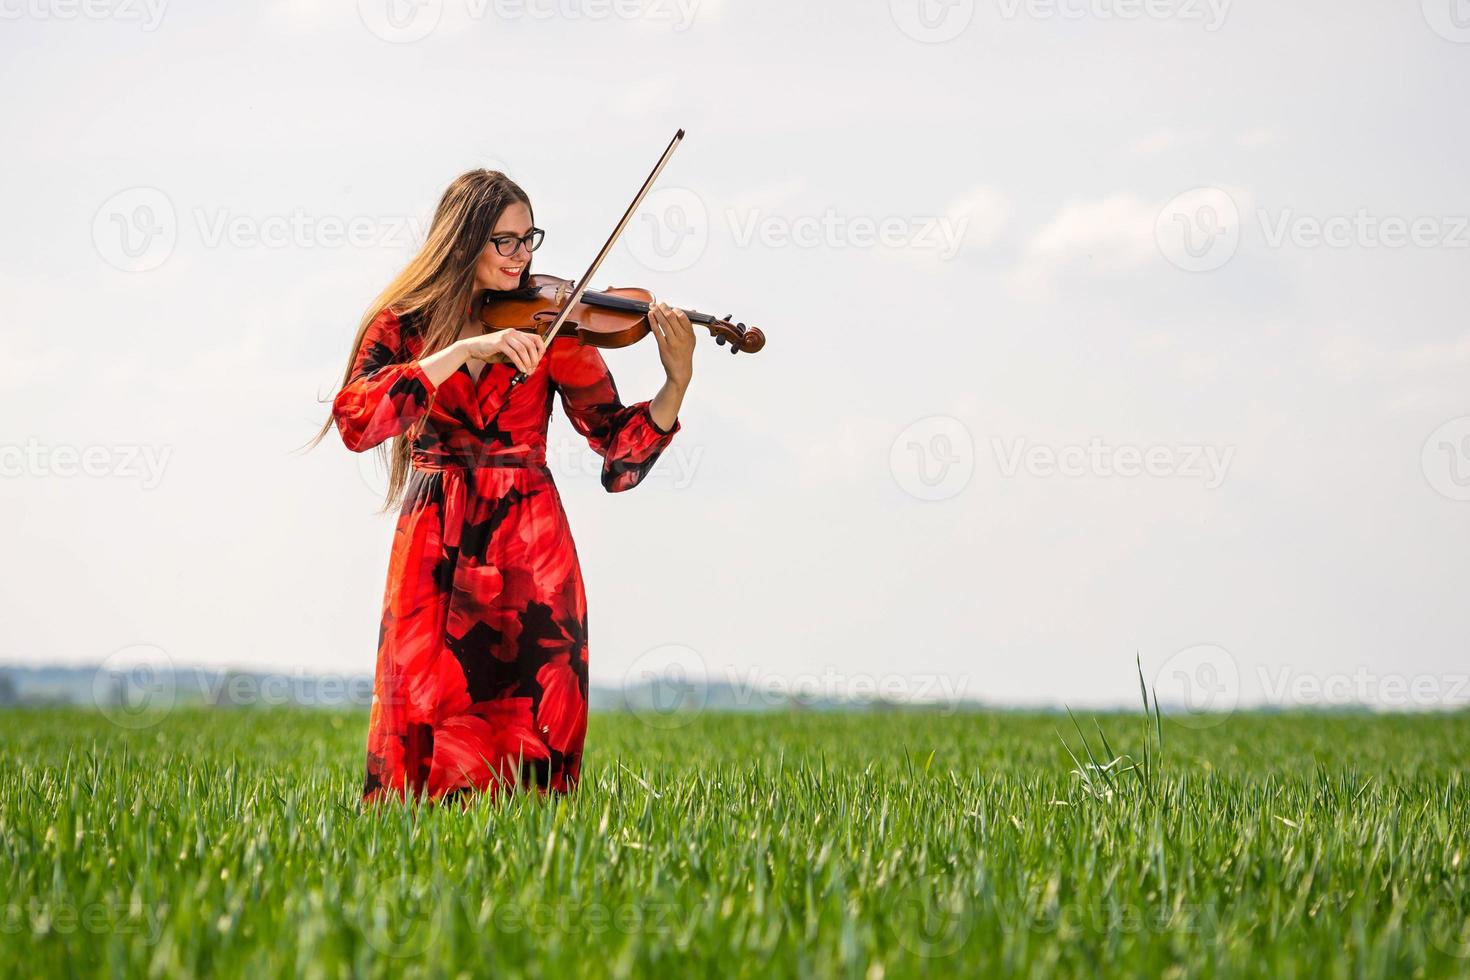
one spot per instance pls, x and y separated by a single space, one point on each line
853 845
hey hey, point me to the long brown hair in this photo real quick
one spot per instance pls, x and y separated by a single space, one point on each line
437 286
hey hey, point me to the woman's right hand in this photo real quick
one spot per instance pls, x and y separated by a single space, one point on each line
519 347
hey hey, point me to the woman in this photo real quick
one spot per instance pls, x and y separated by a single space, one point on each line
482 652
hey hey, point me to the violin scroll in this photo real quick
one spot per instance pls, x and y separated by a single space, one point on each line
737 335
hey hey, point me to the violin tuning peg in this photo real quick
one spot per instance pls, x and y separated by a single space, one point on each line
727 317
720 340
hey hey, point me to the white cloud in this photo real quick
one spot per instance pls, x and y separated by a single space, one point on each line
1116 232
1413 379
1110 234
985 211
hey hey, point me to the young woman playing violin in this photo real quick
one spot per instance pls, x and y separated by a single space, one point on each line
481 675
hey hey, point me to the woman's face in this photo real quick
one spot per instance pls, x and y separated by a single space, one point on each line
496 271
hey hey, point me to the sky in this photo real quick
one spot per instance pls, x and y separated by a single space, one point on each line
1097 330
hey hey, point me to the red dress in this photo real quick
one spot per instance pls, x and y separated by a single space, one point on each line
482 652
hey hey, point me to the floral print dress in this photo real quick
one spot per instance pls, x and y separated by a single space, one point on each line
481 673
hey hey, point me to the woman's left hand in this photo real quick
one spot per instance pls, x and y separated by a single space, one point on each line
675 336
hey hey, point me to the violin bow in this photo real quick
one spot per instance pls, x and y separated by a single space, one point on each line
582 283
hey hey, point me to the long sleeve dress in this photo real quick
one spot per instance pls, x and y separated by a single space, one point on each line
481 673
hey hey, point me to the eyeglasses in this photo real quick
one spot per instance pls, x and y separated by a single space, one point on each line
508 244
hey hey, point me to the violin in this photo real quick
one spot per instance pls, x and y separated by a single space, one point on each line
606 318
